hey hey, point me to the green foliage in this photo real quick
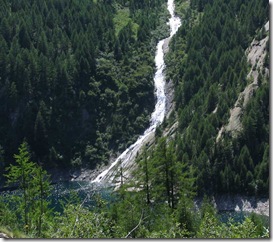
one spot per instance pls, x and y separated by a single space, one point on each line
8 217
32 181
12 233
74 75
79 222
211 228
127 214
163 177
130 215
121 19
208 66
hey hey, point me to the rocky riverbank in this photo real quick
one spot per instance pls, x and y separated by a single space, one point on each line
239 203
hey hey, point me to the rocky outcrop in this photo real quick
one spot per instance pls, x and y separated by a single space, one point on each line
256 56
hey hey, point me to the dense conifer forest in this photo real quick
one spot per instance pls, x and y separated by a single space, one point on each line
75 73
209 68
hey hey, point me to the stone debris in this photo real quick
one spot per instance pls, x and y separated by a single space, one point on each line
242 204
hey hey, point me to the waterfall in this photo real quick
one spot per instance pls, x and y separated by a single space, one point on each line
126 159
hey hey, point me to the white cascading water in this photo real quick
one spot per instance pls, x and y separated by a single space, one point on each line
126 159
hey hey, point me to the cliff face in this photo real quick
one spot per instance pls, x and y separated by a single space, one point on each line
256 54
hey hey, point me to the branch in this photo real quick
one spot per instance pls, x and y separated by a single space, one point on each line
140 220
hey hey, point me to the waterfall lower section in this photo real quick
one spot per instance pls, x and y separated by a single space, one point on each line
125 161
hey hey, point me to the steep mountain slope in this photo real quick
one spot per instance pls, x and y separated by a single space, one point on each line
256 54
73 75
214 62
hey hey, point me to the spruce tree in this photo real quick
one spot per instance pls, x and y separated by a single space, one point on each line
32 204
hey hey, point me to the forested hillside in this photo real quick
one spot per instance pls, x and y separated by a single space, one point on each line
209 68
73 74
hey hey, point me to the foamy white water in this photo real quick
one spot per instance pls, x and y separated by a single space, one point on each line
126 159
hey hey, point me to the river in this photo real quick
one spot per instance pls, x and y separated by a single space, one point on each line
126 160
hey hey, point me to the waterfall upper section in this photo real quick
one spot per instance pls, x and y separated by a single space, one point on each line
125 162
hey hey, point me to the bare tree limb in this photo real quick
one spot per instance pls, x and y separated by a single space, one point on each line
140 220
